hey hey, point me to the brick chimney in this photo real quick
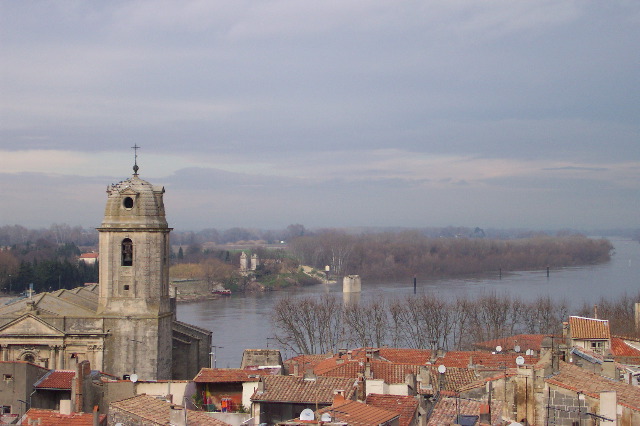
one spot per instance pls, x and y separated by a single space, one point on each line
609 405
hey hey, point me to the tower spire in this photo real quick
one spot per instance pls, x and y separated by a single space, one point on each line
135 148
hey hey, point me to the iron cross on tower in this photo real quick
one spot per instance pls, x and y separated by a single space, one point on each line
135 148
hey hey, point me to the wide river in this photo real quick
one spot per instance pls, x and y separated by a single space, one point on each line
242 321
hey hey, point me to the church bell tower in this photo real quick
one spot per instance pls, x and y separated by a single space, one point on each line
134 280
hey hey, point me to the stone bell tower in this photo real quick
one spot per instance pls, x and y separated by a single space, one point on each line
134 280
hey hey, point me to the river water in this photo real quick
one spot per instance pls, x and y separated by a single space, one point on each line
242 321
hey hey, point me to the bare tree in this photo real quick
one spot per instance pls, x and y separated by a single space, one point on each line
308 326
367 324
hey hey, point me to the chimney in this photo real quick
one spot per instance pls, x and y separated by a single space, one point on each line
338 398
609 406
637 311
485 414
609 369
65 406
425 377
595 311
367 370
96 416
177 415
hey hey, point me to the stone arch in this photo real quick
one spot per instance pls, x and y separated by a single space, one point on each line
28 357
127 252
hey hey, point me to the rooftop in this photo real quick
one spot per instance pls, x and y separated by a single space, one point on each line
357 413
232 375
447 408
158 411
577 379
56 379
319 390
582 328
54 418
406 406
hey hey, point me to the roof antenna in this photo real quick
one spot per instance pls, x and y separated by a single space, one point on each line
135 160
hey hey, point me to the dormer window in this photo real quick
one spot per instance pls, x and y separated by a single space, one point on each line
127 203
127 252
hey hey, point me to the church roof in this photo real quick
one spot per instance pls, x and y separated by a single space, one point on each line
78 302
134 203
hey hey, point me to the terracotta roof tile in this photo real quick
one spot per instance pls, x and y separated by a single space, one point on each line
406 356
406 406
620 348
54 418
359 414
524 341
487 360
447 408
57 379
155 410
89 256
576 379
298 389
230 375
588 328
305 362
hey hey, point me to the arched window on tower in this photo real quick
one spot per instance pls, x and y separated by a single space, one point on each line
127 252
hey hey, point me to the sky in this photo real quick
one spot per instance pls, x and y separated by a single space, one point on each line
264 113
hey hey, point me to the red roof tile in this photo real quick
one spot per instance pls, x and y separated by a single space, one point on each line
159 411
230 375
524 341
577 379
359 414
54 418
89 256
620 348
446 410
57 379
588 328
320 390
491 361
406 406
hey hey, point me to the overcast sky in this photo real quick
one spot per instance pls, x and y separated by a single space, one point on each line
497 114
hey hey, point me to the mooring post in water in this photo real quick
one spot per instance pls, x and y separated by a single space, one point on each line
547 272
414 285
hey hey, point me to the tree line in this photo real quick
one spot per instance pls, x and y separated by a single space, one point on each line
324 325
46 265
400 254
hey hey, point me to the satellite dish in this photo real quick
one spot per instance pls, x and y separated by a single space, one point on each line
516 348
133 378
326 417
307 414
442 369
520 360
498 348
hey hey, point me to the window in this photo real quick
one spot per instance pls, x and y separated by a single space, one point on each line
128 203
597 346
7 377
29 358
6 409
127 252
